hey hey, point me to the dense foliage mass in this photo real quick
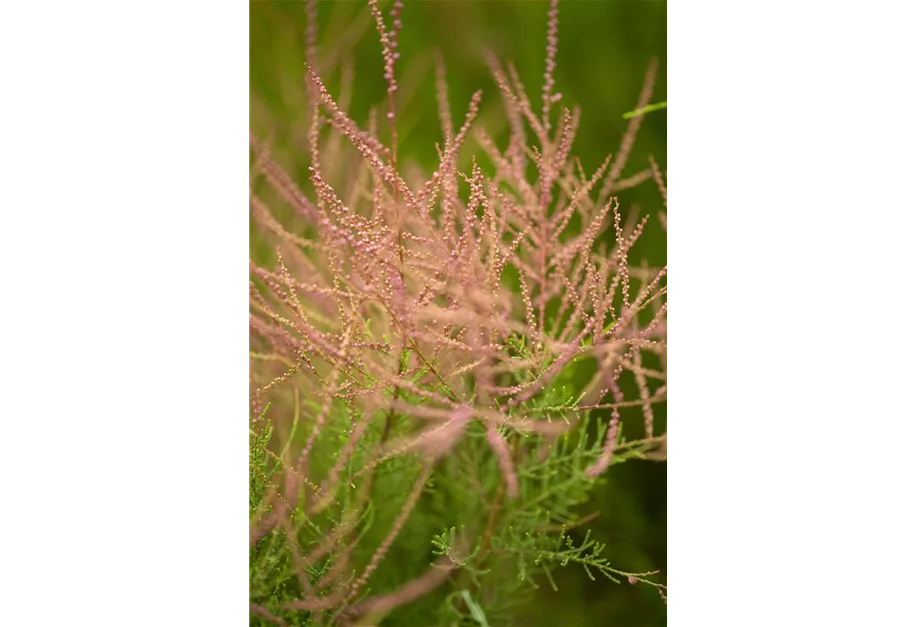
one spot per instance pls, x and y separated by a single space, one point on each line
421 440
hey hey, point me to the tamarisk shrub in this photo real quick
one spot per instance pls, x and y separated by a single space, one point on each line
436 358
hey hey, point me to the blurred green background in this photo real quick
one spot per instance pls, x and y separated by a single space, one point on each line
604 50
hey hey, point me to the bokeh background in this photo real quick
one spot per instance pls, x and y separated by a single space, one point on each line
604 50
